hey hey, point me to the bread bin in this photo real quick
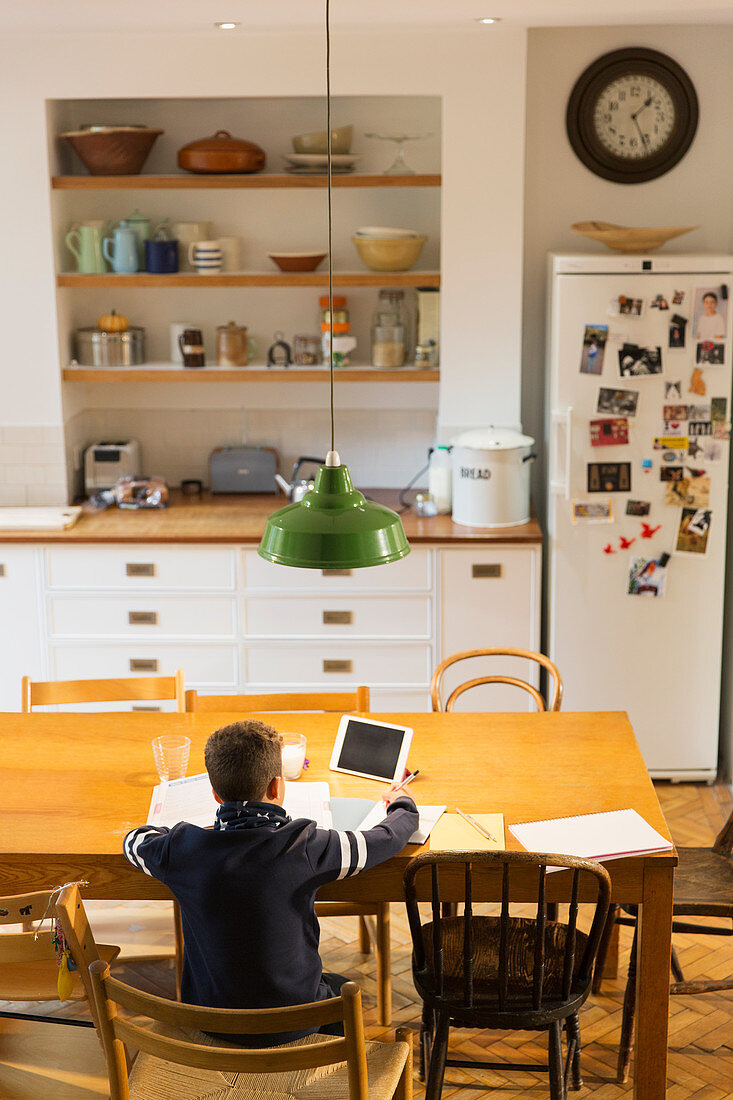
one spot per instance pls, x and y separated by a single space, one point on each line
491 477
93 348
221 153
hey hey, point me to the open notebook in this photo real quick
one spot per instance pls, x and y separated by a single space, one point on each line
600 836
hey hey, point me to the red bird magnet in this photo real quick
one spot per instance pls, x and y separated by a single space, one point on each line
648 532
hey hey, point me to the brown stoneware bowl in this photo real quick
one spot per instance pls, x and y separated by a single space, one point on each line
297 261
112 150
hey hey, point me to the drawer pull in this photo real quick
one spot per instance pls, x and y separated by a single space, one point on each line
142 618
337 666
486 571
338 618
143 664
140 569
2 570
336 572
158 709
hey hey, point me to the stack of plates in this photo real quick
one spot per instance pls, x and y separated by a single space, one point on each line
316 164
381 232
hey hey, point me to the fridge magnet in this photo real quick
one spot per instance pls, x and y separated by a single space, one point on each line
630 307
646 465
718 408
694 530
608 549
671 457
591 511
672 391
699 427
678 297
625 543
670 473
710 354
607 433
711 449
647 576
698 492
638 507
609 477
676 492
594 344
648 532
659 302
674 412
677 330
635 361
699 412
617 402
694 446
674 427
721 430
697 383
670 443
710 314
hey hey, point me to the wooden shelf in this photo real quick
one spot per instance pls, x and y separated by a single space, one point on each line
164 372
257 278
228 182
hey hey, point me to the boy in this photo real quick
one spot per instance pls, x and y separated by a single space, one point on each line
246 888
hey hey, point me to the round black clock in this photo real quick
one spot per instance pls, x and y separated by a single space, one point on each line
632 115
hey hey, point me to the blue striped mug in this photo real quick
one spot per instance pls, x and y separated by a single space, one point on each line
205 256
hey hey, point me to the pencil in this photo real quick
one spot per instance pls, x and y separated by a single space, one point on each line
477 826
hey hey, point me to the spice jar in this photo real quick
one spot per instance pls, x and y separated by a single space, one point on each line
343 343
232 348
388 329
306 350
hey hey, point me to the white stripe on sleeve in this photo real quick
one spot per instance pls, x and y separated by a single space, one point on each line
345 854
134 853
361 852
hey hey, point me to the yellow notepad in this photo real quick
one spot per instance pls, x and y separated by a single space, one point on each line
453 833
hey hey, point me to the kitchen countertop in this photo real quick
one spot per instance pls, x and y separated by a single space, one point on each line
241 519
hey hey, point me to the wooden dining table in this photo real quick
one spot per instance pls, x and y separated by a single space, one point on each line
72 785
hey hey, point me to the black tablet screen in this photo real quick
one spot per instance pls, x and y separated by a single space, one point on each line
371 749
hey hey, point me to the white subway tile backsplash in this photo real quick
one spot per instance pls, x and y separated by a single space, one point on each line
12 454
12 495
47 494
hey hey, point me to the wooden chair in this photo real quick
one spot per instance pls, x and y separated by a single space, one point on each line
465 654
28 970
376 932
703 887
176 1060
44 692
501 972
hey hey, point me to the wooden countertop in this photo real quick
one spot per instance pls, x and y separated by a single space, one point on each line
241 519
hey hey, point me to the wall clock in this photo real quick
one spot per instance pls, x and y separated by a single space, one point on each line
632 115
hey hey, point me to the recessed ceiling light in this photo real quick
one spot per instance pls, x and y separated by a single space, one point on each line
226 26
488 20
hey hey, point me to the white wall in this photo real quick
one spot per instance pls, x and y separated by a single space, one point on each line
482 159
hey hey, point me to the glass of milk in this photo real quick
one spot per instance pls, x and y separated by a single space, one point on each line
293 747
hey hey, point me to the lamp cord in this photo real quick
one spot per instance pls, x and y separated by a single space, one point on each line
330 215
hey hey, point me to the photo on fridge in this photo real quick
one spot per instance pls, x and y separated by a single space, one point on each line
710 314
693 531
594 346
647 576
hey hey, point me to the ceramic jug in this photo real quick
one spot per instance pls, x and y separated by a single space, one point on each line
85 242
123 259
141 225
185 232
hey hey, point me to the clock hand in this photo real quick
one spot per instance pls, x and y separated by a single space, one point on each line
642 135
646 103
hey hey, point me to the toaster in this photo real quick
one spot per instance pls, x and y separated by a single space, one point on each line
243 470
106 462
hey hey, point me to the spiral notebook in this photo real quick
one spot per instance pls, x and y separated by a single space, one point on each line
610 835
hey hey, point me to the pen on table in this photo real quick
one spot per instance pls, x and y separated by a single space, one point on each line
408 779
477 826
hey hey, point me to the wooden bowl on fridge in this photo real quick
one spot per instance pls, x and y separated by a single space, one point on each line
626 238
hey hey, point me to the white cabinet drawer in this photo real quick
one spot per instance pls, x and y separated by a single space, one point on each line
141 567
410 573
340 615
337 665
144 616
211 664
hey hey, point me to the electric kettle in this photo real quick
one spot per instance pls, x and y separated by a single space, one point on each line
298 487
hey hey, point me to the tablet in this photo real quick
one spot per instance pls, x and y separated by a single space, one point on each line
374 750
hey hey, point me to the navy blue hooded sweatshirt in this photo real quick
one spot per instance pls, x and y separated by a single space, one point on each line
246 891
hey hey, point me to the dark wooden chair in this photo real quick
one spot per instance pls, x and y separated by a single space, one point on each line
468 654
703 887
501 972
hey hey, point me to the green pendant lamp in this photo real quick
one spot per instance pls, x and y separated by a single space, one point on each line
334 526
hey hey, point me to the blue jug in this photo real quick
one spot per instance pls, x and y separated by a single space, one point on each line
124 257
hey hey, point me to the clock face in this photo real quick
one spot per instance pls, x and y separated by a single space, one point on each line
632 115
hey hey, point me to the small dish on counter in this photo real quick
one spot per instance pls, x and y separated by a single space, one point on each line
297 261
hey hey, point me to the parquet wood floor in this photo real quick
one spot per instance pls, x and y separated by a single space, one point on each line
701 1028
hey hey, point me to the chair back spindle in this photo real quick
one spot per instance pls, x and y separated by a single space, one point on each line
503 939
468 940
538 970
554 678
569 957
437 930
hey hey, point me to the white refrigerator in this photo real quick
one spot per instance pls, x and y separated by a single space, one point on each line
639 358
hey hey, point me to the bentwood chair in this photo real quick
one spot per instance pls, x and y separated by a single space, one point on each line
703 887
133 688
376 932
179 1059
436 684
501 972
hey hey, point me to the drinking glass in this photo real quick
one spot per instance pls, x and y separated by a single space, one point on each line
293 746
171 755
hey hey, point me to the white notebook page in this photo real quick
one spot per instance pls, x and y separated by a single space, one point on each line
598 836
191 799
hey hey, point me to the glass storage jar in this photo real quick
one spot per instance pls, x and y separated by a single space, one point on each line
389 329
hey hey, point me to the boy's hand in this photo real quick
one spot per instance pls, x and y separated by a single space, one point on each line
395 791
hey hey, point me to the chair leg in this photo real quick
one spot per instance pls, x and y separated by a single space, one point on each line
427 1030
627 1019
404 1085
557 1083
606 935
676 968
572 1027
365 941
438 1055
383 958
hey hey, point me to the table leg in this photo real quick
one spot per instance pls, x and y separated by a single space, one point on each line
652 988
384 965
